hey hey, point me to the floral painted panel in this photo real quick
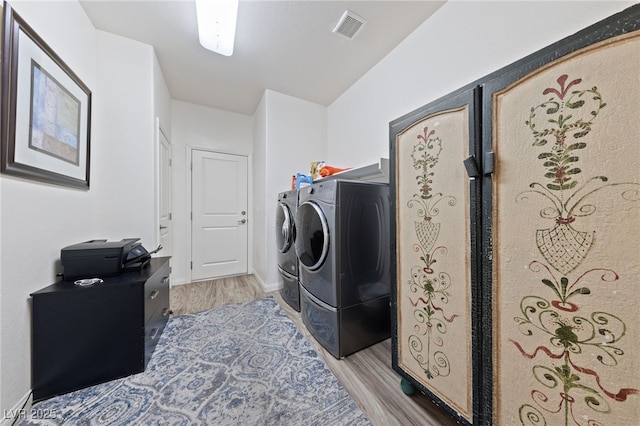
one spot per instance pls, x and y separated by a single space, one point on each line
432 257
567 241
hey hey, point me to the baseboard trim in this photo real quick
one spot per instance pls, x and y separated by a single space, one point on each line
18 412
267 287
270 287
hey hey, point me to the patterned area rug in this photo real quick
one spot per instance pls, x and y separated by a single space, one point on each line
244 364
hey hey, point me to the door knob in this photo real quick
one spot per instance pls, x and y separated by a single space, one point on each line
240 222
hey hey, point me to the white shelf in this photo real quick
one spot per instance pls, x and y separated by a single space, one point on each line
377 172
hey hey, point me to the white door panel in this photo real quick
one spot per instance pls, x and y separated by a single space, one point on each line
219 206
165 194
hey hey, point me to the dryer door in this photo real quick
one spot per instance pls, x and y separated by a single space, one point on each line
285 228
312 243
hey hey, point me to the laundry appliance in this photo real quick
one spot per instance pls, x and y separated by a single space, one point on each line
285 238
343 245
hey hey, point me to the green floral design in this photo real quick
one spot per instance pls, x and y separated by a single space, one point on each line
566 326
425 156
428 287
563 117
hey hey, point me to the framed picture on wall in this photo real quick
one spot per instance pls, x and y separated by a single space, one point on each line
46 110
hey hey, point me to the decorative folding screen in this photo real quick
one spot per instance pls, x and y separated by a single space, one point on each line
516 286
435 295
566 246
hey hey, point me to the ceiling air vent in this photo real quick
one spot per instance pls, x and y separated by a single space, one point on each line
349 25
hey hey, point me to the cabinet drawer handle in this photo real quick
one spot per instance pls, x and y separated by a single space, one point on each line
154 294
153 334
165 312
165 280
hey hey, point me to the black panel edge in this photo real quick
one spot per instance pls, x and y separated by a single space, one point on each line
467 96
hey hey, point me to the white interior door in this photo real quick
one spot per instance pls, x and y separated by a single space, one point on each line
165 194
219 215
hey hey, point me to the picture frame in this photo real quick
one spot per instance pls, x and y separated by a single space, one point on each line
46 110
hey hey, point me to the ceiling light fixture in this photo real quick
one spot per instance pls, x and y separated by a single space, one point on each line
217 24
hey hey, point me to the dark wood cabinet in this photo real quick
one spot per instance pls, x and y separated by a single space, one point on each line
82 336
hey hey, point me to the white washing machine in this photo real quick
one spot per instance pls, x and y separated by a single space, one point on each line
285 239
343 245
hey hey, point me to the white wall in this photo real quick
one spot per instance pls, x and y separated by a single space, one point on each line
195 126
462 42
124 144
290 134
162 99
162 113
37 219
260 139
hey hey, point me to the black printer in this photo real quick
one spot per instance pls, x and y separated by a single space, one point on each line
102 258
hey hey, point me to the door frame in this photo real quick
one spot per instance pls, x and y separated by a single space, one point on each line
159 129
189 203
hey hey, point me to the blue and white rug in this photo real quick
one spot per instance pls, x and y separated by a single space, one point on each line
244 364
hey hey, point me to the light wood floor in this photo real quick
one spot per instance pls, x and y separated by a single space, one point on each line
367 375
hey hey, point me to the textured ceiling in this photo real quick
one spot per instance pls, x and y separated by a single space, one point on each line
286 46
